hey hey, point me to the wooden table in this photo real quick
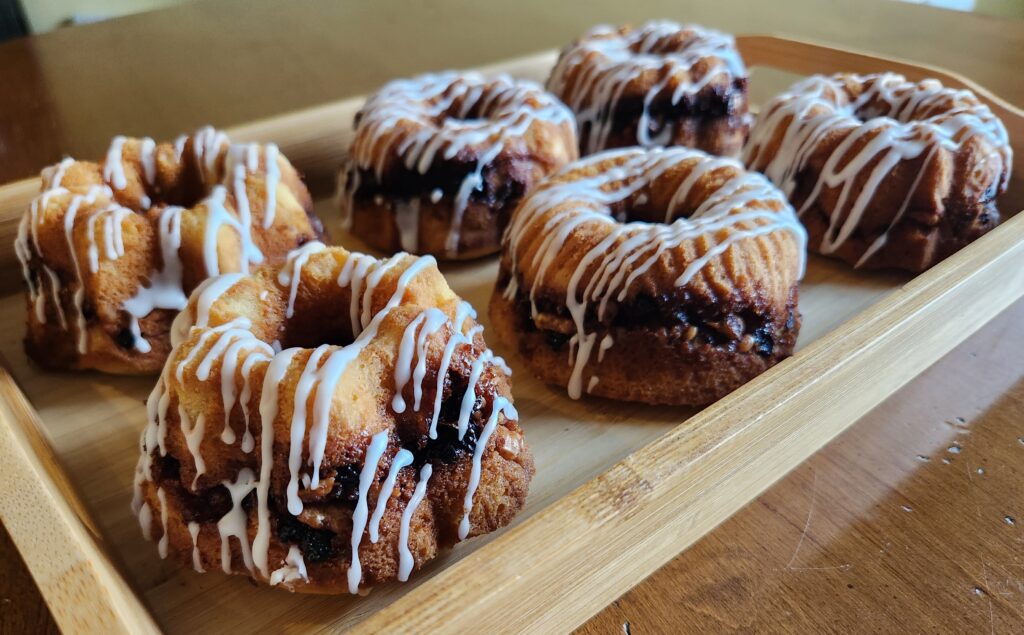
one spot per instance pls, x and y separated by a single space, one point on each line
908 520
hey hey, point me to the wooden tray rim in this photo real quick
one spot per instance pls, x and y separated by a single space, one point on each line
625 522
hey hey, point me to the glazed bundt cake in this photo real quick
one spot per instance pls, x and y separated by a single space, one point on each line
657 85
882 171
328 424
664 276
440 161
111 250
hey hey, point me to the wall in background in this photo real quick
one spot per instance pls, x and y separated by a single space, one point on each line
46 15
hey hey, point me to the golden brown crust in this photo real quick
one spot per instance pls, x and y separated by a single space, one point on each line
884 172
145 227
357 312
659 84
438 162
664 276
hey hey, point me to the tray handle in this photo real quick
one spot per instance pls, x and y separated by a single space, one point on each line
45 517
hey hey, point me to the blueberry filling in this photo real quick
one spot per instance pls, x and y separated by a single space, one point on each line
316 544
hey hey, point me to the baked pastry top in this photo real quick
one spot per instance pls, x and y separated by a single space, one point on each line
324 449
884 172
111 250
664 276
659 84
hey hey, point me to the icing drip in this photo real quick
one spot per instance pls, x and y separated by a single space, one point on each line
257 351
727 215
147 156
431 320
161 546
112 217
234 524
217 216
402 459
330 373
206 147
499 406
193 440
54 175
298 426
233 350
268 413
165 289
105 240
378 444
294 569
79 295
457 337
146 521
904 122
197 561
592 76
407 219
405 559
113 168
291 273
437 108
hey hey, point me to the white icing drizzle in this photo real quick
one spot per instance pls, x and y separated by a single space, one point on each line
891 122
591 76
193 440
197 561
627 250
161 546
113 167
217 216
298 426
462 311
407 219
290 274
206 147
54 175
374 451
104 237
499 406
147 156
239 353
234 524
437 109
294 568
403 458
405 559
268 413
431 321
165 290
146 521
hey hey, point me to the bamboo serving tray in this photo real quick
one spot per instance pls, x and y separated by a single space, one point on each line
620 488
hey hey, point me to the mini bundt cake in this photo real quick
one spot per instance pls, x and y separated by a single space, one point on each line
658 85
882 171
439 162
665 276
111 250
329 423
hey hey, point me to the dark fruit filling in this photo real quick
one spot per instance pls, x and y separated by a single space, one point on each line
316 544
739 329
505 181
346 483
713 102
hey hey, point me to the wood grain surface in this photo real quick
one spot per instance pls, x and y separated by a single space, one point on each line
912 520
317 51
